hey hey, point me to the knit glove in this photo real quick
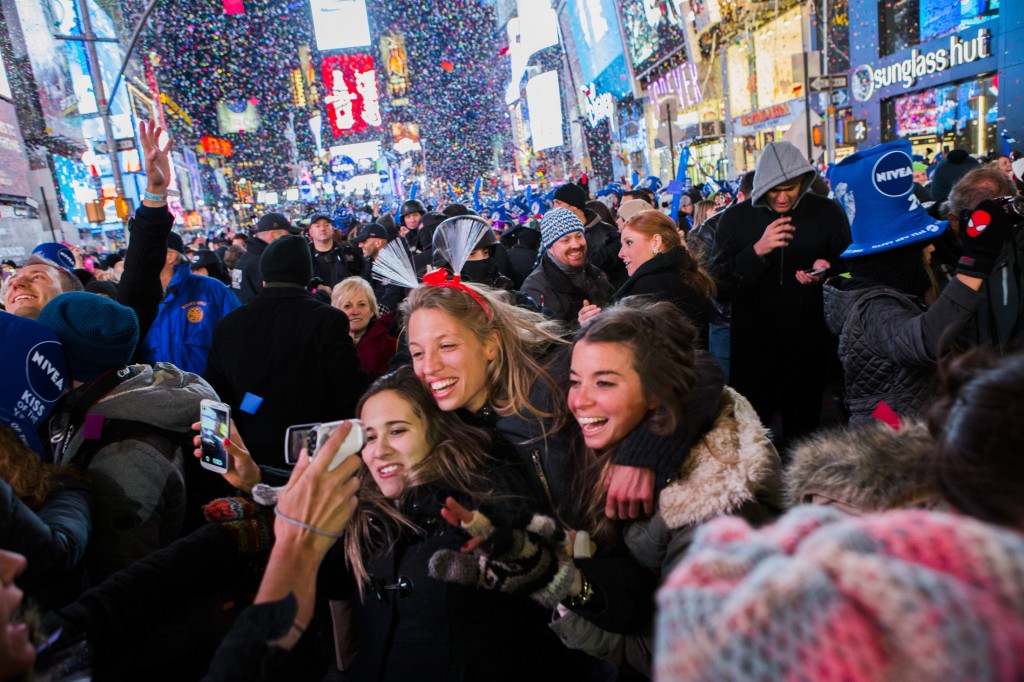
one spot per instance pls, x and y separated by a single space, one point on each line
985 230
531 562
251 526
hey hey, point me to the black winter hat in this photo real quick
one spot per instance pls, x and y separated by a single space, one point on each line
287 260
174 241
948 172
203 258
572 194
275 221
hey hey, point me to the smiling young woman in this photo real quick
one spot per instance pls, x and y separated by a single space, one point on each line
635 372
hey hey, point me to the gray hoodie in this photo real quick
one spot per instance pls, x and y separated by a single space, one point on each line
139 494
780 162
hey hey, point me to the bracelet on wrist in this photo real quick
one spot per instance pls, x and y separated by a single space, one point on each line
585 595
300 524
150 196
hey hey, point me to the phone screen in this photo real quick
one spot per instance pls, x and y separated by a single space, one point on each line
214 427
296 438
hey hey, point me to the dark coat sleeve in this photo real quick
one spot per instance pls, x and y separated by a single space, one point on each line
734 263
140 287
911 338
52 538
252 281
138 599
343 363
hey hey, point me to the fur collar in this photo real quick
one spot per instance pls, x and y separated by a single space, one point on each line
727 468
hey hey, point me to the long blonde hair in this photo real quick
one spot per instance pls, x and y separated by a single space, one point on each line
523 335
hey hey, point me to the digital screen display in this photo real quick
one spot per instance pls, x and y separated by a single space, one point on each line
544 102
653 31
340 24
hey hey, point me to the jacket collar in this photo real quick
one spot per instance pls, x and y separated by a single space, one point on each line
729 466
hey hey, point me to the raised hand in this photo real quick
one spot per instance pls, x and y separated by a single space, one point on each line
157 158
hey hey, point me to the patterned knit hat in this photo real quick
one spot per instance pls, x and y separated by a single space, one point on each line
912 595
557 223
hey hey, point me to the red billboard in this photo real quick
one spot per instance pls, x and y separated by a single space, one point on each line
350 83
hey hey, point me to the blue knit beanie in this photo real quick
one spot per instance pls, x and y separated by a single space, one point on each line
34 376
557 223
97 333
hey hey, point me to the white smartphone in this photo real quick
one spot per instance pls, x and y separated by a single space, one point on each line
296 438
352 444
214 427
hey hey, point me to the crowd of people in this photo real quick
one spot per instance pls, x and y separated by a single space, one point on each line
592 437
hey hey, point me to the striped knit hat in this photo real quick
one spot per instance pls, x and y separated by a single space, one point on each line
904 595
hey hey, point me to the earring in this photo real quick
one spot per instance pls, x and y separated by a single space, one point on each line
654 252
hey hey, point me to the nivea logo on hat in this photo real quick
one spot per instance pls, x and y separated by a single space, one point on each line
45 378
893 174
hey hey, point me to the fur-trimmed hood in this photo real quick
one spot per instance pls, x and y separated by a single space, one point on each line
870 468
733 464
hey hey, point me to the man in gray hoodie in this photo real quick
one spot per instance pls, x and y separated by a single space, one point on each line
772 252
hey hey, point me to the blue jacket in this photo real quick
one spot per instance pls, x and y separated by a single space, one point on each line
183 330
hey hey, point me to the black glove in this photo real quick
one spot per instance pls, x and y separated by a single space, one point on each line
983 232
512 561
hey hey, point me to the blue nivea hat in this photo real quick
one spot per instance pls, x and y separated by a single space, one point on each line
57 253
876 189
35 375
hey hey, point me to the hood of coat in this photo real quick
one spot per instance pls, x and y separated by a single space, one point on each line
840 293
161 395
872 468
732 464
780 162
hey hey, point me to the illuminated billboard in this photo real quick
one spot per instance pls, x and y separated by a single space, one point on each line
340 24
238 115
5 85
392 54
544 102
14 168
653 31
595 29
406 137
350 83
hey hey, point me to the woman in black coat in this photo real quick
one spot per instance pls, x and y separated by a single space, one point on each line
661 268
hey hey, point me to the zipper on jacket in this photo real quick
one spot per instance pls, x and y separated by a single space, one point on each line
535 456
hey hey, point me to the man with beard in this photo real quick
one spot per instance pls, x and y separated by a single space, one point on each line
563 281
890 339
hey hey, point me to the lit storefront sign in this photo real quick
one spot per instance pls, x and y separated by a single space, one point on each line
352 98
867 79
764 115
682 82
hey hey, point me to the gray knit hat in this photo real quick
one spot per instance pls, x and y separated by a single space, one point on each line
557 223
780 162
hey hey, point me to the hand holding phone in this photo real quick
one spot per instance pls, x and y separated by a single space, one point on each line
815 271
312 437
214 427
352 444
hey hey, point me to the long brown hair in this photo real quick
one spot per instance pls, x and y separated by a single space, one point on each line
523 335
662 346
652 222
456 456
31 481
